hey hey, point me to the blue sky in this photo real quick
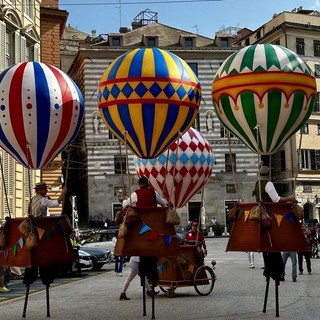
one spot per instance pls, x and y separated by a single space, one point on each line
203 17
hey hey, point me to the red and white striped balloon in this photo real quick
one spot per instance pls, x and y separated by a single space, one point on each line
41 111
180 172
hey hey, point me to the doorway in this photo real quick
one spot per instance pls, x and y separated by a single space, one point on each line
194 208
308 212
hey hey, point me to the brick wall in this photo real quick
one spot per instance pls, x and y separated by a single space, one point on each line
50 3
50 42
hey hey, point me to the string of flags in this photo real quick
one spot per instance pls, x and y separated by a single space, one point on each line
279 217
21 241
154 235
182 261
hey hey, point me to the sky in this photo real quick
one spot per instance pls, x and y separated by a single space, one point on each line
204 17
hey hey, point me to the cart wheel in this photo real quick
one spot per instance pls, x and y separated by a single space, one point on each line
170 292
164 290
204 281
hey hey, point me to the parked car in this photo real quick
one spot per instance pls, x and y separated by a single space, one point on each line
98 239
99 256
84 263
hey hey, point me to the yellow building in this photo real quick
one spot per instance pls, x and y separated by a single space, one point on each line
20 41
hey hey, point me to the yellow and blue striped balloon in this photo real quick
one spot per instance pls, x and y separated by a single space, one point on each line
147 97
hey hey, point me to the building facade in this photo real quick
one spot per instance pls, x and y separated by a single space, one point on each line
52 24
24 26
102 156
20 41
296 166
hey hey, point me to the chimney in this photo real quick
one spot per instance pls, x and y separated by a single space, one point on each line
93 33
135 25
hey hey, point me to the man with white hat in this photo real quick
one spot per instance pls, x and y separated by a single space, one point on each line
268 193
39 204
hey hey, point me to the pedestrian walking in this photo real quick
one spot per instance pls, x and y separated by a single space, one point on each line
293 257
251 260
118 259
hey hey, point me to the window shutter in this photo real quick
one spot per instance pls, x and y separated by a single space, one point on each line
37 52
8 169
17 47
2 47
23 48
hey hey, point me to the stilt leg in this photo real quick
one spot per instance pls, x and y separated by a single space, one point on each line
26 302
153 317
143 282
266 295
277 298
48 300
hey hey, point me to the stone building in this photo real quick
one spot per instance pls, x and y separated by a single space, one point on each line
99 152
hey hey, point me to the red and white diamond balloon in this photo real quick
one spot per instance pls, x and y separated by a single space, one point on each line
180 172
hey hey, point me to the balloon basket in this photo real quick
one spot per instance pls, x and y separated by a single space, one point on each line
53 245
285 234
152 236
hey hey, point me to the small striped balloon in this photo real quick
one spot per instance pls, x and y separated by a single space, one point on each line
181 171
147 97
264 94
41 111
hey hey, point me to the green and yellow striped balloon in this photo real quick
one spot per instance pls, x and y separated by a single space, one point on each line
263 94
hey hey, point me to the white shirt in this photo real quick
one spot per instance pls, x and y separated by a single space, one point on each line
40 205
272 192
134 200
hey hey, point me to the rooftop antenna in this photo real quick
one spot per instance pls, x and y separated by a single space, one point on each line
119 7
120 13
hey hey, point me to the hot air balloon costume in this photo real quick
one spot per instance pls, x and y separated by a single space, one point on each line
149 98
264 94
40 114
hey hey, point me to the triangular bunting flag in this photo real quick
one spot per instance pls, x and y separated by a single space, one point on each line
167 240
166 265
290 216
240 213
59 228
20 241
246 215
40 232
49 234
14 249
144 228
279 219
160 268
154 235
